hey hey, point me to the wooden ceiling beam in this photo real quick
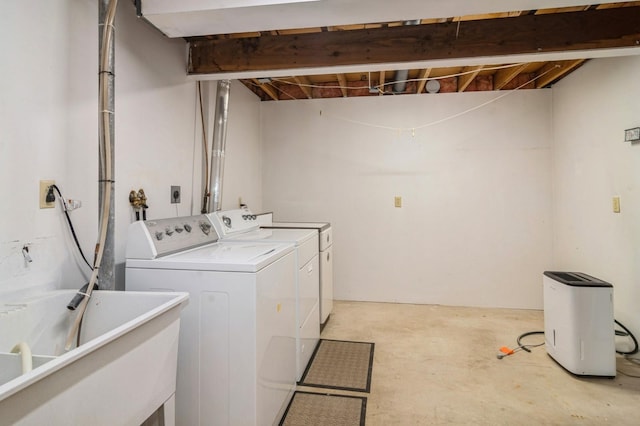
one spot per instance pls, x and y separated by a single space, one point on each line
266 88
571 31
381 81
342 80
465 79
502 77
422 76
305 85
555 70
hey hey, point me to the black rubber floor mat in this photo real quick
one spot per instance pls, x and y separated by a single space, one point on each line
317 409
338 364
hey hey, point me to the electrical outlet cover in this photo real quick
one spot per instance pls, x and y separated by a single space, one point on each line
616 204
175 194
44 188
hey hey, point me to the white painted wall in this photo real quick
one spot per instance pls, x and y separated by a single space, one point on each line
48 130
36 67
592 164
475 226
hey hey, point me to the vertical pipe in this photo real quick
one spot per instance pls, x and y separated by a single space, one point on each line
218 145
401 81
106 106
104 248
206 192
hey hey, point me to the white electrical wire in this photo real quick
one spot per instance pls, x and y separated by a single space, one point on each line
380 86
282 91
414 128
510 92
442 120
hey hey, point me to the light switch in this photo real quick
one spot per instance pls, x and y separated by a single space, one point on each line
398 201
616 204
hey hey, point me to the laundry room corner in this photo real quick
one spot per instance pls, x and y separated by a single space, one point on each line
474 224
593 165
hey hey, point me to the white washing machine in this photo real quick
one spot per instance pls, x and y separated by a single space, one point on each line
325 238
241 225
236 356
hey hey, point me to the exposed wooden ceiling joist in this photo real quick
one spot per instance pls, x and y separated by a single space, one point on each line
422 76
469 74
265 87
583 30
504 76
555 70
343 84
482 73
381 82
305 85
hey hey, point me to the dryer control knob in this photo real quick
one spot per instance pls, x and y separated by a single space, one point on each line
159 235
187 227
205 227
168 231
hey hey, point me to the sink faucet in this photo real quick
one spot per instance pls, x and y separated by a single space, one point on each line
25 253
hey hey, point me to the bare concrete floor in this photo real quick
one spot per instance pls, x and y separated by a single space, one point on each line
437 365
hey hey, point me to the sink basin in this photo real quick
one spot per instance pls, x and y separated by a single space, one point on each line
122 371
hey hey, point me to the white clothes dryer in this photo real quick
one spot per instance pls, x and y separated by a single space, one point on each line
236 356
242 225
325 239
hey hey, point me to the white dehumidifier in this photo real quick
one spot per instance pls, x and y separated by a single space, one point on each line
578 323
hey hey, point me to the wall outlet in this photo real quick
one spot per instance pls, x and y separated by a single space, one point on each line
616 204
397 201
175 194
44 190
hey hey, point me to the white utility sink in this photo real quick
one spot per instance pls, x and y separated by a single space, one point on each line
123 370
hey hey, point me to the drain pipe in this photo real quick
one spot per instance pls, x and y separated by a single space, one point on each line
401 75
218 145
401 81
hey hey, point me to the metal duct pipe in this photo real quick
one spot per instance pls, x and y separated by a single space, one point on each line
106 170
401 75
218 145
401 81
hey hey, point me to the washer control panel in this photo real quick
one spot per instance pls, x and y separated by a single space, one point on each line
153 238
